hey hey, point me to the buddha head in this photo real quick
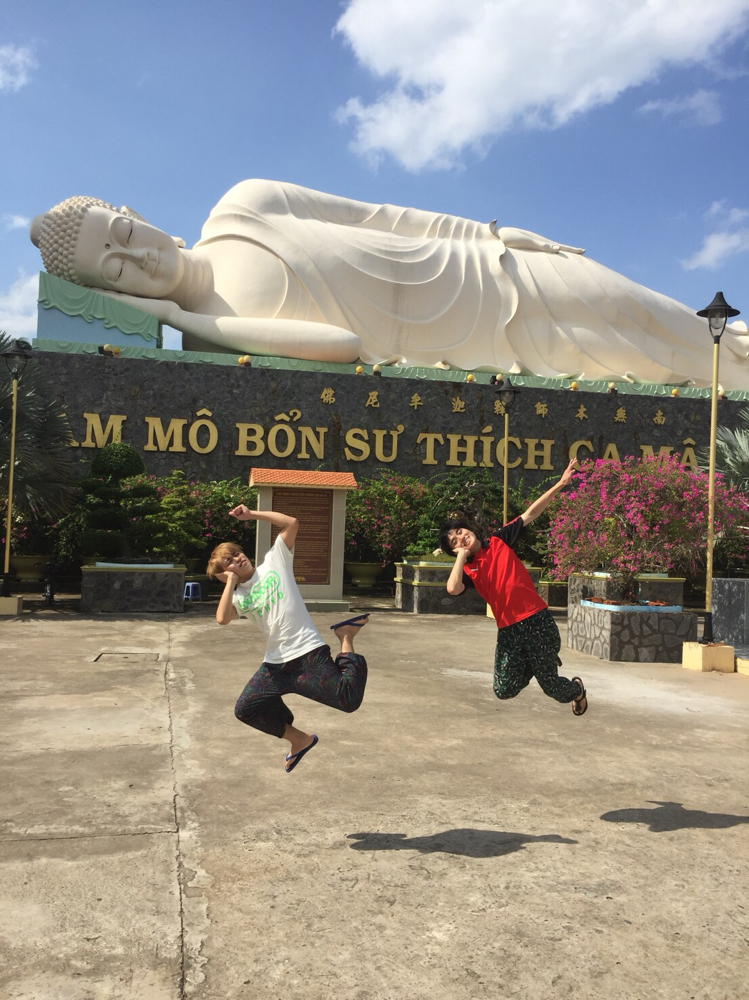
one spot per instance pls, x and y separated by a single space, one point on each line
90 242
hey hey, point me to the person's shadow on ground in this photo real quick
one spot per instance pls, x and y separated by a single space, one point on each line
673 816
466 842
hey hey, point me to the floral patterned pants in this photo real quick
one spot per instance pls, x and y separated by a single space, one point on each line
337 682
530 648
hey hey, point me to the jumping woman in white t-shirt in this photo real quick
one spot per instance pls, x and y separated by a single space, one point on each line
296 660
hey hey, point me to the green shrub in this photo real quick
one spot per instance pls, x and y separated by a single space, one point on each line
477 495
383 516
116 461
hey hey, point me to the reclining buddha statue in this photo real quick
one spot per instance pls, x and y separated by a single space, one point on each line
285 271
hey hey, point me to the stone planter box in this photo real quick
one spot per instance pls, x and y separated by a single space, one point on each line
653 587
554 592
731 611
630 636
126 589
420 588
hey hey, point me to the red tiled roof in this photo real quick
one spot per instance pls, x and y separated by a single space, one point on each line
287 477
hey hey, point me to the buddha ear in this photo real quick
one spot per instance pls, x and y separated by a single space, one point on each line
35 229
179 241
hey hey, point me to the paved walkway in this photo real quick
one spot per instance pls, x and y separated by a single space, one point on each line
436 845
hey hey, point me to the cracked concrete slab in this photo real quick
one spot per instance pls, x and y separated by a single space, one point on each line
92 792
90 917
436 845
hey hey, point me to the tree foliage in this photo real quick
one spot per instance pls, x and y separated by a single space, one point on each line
643 515
391 515
732 453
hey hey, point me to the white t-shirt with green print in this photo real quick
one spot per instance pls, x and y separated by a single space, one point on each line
272 600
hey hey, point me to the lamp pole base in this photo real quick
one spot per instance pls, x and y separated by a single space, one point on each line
698 656
707 630
11 606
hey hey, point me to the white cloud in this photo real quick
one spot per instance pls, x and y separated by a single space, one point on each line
727 216
730 239
716 248
18 306
458 75
16 65
701 107
15 222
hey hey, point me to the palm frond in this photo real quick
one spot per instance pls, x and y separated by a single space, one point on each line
43 478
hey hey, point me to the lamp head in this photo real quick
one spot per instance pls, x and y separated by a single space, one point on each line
16 355
506 392
717 314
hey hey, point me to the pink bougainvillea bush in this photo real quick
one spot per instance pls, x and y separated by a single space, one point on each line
643 515
382 516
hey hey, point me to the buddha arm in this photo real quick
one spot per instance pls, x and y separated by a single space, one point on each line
280 338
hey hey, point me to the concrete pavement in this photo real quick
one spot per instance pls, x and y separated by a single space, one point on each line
436 845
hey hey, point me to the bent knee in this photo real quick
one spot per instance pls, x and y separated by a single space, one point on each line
505 695
351 706
240 712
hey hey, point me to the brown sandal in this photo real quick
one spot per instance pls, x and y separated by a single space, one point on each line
577 708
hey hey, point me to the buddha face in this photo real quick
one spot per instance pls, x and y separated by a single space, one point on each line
126 255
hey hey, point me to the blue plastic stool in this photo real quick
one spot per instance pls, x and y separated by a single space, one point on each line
193 592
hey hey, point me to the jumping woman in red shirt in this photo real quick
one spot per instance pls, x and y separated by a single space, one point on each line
528 638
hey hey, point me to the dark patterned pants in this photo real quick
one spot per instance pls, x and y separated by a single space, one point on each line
337 682
530 648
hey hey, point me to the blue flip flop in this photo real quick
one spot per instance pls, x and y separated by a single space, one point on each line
292 759
360 620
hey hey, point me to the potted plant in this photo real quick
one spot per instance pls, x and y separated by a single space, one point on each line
31 543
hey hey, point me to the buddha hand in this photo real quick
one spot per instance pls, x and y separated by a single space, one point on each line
522 239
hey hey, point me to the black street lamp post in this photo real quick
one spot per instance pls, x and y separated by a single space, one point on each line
506 393
16 356
717 314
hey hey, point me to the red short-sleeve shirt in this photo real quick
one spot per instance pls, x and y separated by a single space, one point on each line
501 579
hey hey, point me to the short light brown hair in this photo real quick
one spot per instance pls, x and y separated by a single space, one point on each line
216 560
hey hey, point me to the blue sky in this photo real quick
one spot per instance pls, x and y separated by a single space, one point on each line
617 125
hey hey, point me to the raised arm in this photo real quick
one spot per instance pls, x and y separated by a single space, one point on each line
288 525
226 612
455 585
540 505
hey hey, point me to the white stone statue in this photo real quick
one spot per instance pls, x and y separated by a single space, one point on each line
285 271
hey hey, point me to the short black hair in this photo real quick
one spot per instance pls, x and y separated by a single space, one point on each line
451 525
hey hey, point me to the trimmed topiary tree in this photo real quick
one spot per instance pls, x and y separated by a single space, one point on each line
108 520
